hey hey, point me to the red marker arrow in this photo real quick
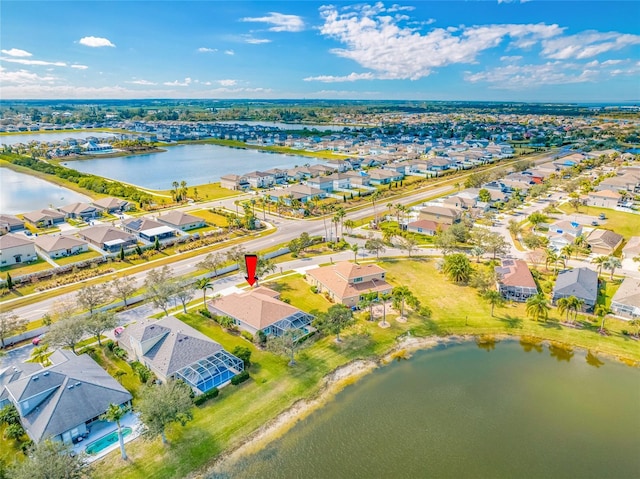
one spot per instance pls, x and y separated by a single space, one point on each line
251 261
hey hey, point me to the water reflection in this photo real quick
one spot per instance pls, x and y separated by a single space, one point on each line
486 343
561 353
530 344
593 360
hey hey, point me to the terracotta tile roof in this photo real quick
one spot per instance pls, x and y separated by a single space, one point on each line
515 273
336 279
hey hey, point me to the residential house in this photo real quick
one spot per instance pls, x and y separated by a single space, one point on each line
562 226
44 218
557 241
440 163
459 201
173 349
515 282
108 238
347 283
440 214
147 229
16 249
629 181
626 301
579 282
181 221
426 227
632 248
112 205
279 176
9 223
58 246
260 179
604 199
324 183
341 181
302 193
260 309
62 401
604 241
379 176
83 211
234 182
358 178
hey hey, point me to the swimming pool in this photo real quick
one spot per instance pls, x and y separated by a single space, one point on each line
104 442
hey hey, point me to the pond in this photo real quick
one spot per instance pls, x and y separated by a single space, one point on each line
26 138
20 193
195 164
466 412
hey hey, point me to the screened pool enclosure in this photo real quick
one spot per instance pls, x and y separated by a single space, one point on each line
211 371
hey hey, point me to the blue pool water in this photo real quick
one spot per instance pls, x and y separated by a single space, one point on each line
104 442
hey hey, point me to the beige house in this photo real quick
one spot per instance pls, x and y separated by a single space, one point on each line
9 223
108 238
44 217
604 199
181 221
16 249
632 248
347 283
626 301
112 205
440 214
59 246
515 281
234 182
260 309
604 241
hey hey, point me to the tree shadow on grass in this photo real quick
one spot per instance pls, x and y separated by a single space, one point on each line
353 344
280 287
551 324
511 321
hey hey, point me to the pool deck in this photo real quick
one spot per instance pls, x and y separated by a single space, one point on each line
100 429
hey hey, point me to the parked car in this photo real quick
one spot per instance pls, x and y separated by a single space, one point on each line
595 223
602 216
37 340
118 331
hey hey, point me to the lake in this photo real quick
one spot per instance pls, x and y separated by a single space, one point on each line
195 164
26 138
20 193
464 412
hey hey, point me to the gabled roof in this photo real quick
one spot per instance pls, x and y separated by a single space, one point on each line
424 224
628 293
254 307
13 241
51 243
578 282
80 390
178 344
178 218
604 238
441 210
103 234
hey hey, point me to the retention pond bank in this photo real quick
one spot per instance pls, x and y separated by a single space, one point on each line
488 410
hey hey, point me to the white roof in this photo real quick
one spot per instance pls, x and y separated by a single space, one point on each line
157 230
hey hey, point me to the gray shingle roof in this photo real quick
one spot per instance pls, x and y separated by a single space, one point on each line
579 282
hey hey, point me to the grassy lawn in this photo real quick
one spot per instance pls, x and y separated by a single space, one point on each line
224 422
26 268
76 258
626 224
209 217
206 192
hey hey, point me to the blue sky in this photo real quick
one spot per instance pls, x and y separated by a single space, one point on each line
585 51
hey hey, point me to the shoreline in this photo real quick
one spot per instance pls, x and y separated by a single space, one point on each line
348 374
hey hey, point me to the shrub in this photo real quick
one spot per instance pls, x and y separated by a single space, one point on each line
14 431
110 344
211 394
247 335
314 289
625 332
286 300
206 313
244 353
260 338
240 378
9 415
141 371
425 312
119 352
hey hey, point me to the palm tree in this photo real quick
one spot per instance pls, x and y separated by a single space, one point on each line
537 307
40 354
552 257
494 298
402 295
600 261
204 284
355 248
612 263
636 324
375 196
114 414
602 311
384 297
477 251
366 302
564 306
576 305
566 252
349 224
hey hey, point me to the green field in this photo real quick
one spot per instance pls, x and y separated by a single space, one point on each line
76 258
626 224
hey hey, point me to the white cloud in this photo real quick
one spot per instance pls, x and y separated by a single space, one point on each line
187 81
511 58
16 52
392 50
23 77
141 82
227 82
229 52
280 22
79 67
24 61
345 78
95 42
207 50
255 41
587 44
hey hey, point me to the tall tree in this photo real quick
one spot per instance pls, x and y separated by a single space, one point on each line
162 405
494 298
334 320
355 248
10 325
403 296
100 322
67 332
51 459
183 291
408 244
564 306
212 262
537 307
115 413
124 288
375 196
385 297
92 296
374 245
612 264
40 354
367 301
602 311
288 344
536 218
203 284
457 267
160 288
600 262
